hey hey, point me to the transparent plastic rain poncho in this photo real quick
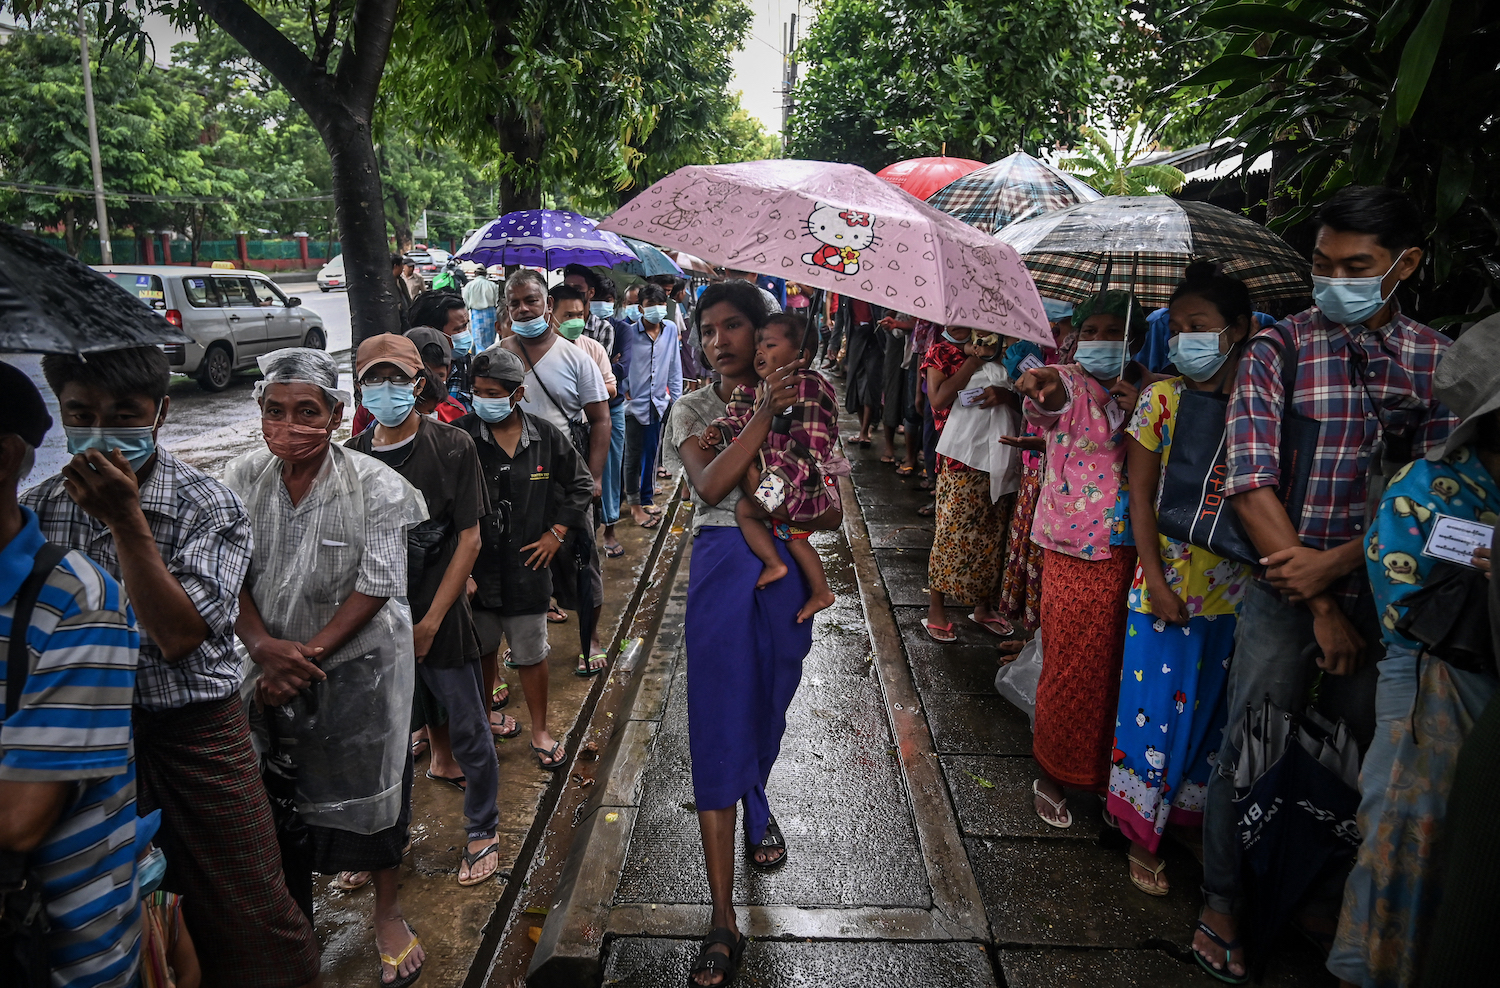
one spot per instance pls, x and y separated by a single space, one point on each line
347 736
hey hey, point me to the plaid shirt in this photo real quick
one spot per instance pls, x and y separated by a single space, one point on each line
203 532
1349 379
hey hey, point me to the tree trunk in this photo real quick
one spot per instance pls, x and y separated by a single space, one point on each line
340 104
525 145
401 221
360 206
70 230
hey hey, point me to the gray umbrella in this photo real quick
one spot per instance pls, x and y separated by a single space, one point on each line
53 303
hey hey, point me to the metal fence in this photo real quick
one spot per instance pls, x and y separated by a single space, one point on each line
132 251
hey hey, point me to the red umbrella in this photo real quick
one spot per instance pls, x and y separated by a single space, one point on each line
924 176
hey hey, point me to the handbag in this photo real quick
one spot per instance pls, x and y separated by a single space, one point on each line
23 916
1193 507
578 432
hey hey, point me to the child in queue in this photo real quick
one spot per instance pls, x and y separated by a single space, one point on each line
792 485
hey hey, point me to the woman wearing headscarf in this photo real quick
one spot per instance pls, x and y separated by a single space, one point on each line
326 599
1080 410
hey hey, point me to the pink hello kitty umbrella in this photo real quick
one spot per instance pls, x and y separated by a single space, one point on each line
839 227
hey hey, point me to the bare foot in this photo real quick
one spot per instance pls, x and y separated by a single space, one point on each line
770 574
392 937
815 603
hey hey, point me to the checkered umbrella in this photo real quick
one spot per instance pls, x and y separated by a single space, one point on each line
543 238
1014 188
1145 243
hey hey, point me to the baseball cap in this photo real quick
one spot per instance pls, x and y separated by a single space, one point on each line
387 348
424 335
501 365
23 412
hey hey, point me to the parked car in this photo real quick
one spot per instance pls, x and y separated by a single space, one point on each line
429 261
332 275
232 317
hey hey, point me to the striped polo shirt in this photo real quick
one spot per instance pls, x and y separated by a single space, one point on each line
73 725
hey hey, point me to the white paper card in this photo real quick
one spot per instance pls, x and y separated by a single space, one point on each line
970 396
1455 539
1114 415
1029 362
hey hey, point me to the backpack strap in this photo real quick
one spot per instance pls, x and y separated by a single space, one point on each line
18 659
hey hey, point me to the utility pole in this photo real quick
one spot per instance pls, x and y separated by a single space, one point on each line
106 255
788 73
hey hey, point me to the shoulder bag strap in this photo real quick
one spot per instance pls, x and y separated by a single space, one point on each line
18 659
542 384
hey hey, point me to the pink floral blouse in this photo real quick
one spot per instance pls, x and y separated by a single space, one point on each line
1085 461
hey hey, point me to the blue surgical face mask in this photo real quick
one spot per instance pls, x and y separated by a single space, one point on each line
1101 358
633 313
955 342
389 403
1350 301
137 443
654 313
461 342
492 409
602 310
150 870
1197 354
530 328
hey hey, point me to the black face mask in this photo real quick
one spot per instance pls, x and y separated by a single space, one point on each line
431 389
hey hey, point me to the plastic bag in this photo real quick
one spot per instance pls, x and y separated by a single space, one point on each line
347 736
1017 679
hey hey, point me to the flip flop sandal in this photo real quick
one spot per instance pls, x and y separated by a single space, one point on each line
585 668
996 626
348 881
395 962
556 615
505 659
1057 807
651 522
1229 947
887 459
456 781
505 734
614 553
713 962
422 743
471 859
905 471
552 760
772 841
928 510
940 633
500 695
1150 888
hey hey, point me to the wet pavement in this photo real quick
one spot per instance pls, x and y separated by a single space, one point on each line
904 792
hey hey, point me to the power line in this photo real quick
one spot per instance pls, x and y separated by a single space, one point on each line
66 190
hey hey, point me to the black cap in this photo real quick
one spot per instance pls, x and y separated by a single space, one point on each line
23 412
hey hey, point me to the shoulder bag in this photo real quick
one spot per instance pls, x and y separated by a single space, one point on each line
578 432
23 916
1193 507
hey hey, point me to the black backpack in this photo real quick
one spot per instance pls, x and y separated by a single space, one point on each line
23 920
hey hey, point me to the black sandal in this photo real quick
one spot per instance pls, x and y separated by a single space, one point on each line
1229 947
713 962
772 841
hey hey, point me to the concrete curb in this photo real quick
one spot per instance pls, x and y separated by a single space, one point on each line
955 893
579 850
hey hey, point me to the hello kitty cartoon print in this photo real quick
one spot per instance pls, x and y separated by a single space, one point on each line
843 234
699 196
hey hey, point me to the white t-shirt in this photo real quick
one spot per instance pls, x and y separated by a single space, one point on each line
600 356
571 378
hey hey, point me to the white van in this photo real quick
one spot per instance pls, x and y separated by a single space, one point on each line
332 276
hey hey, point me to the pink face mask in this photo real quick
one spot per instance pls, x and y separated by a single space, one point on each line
295 443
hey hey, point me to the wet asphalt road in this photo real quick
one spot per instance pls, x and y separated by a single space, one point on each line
205 429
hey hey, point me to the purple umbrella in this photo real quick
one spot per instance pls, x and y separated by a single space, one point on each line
544 238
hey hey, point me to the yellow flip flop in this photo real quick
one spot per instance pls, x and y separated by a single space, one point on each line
395 963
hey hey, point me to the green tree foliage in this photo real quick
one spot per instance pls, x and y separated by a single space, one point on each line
149 134
1153 44
1106 165
579 99
891 79
1389 92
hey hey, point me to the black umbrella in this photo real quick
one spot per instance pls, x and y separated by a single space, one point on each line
53 303
1297 790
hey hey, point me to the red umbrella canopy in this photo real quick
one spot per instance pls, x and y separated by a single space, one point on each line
924 176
